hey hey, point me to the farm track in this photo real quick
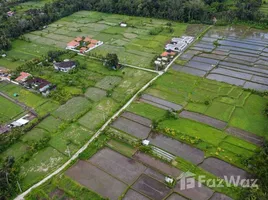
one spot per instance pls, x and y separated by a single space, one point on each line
25 107
75 156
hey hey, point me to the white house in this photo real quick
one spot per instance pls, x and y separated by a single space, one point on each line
180 46
64 66
188 39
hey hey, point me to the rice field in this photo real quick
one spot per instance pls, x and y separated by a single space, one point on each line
235 55
134 44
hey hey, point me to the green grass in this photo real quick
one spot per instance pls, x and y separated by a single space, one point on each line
133 44
220 111
71 139
41 164
108 82
50 124
47 107
35 135
146 110
73 108
16 150
121 147
195 129
251 116
69 188
95 94
9 110
25 96
99 114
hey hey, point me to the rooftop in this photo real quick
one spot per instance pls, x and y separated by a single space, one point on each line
23 76
66 64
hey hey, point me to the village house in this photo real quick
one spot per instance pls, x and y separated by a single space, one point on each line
38 84
73 44
4 74
83 44
168 53
23 77
64 66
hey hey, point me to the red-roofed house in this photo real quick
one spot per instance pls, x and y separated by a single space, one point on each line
83 49
23 77
78 39
94 41
91 45
166 53
73 44
87 39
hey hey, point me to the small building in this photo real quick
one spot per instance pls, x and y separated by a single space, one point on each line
82 49
38 84
188 39
10 13
168 53
23 77
78 39
176 46
64 66
169 180
18 123
123 24
73 44
145 142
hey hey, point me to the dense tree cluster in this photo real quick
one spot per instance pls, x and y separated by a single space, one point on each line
181 10
258 164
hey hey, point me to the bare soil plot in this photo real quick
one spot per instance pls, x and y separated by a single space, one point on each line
189 70
255 86
131 127
206 60
219 196
133 195
125 169
154 174
240 56
177 148
199 65
226 79
196 193
175 196
250 137
203 119
222 169
157 164
96 180
232 73
162 102
137 118
151 187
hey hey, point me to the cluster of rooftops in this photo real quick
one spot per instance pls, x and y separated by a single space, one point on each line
83 44
174 46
